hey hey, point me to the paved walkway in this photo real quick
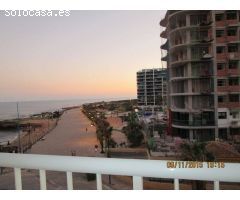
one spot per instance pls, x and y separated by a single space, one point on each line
69 135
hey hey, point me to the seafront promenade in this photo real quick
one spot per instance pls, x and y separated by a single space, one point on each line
73 133
69 135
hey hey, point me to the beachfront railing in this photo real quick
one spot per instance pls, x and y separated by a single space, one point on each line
216 172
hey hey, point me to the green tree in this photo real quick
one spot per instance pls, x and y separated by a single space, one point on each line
151 144
112 107
127 106
104 133
196 151
133 130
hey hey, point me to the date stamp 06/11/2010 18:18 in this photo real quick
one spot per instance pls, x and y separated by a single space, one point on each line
194 164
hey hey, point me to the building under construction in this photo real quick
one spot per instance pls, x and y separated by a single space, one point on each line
203 62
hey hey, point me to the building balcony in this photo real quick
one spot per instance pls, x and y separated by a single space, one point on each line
165 45
165 58
203 40
164 34
203 74
200 57
229 105
164 21
112 166
232 88
195 123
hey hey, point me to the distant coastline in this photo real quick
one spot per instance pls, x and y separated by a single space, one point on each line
8 110
27 109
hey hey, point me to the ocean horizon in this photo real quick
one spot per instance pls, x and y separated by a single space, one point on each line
8 110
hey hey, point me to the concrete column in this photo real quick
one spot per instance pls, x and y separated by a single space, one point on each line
188 20
154 96
215 73
145 88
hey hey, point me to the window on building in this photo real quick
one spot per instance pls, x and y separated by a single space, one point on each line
233 64
234 98
221 66
197 19
219 17
220 49
232 32
233 81
222 115
221 82
219 33
221 99
231 15
233 48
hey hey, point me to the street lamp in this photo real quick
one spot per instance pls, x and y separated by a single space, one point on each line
18 129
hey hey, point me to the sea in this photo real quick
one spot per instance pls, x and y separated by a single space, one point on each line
8 110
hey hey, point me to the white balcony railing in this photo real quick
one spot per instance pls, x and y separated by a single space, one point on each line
112 166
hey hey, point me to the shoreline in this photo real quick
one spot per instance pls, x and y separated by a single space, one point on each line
11 125
33 129
44 126
30 137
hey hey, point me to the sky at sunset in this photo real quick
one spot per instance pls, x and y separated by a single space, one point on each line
89 54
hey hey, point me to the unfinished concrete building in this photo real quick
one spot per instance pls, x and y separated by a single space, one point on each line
203 61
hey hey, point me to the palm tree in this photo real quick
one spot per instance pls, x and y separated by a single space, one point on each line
100 138
133 130
196 151
104 133
108 135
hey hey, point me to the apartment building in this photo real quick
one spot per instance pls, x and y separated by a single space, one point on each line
151 88
203 62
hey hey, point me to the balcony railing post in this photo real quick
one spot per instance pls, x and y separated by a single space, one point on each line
137 182
18 178
69 181
176 184
42 175
216 185
99 182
